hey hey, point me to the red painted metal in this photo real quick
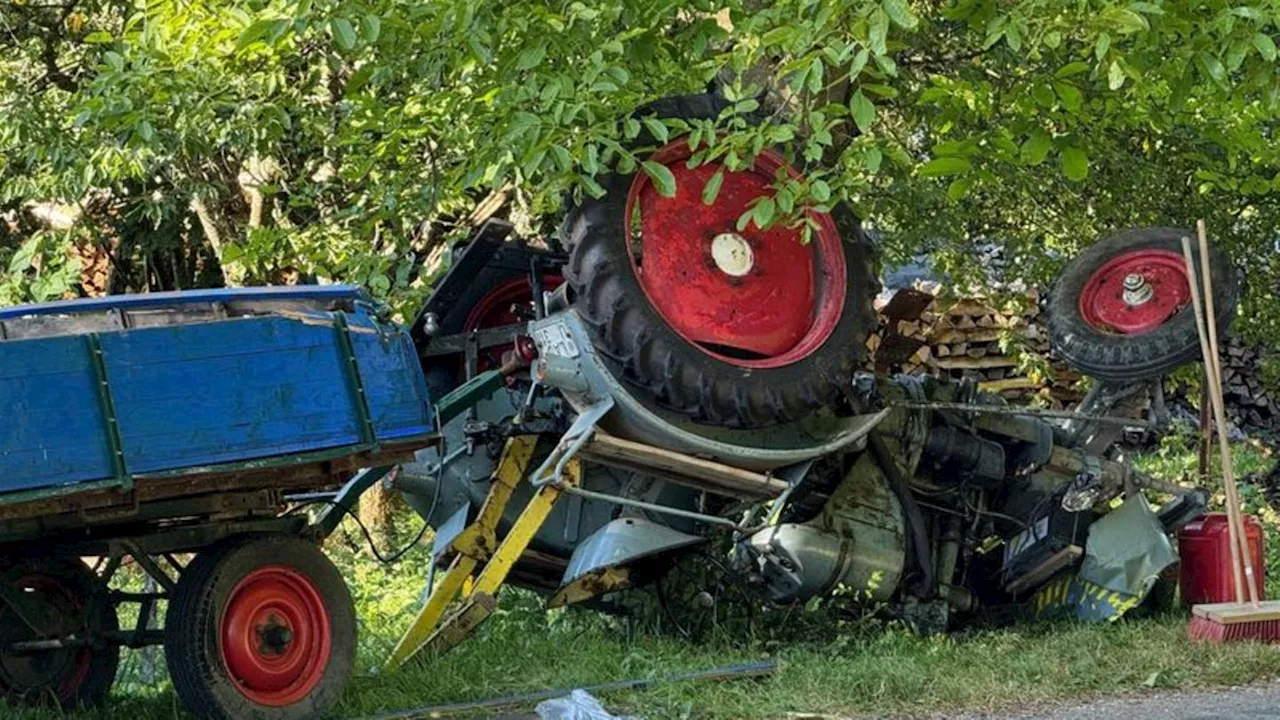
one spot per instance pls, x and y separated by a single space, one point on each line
274 636
781 311
1102 300
495 310
1204 545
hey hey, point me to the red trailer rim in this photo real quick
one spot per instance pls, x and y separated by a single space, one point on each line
751 298
1136 292
274 634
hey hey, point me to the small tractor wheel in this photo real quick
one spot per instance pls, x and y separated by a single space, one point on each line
739 328
67 599
260 628
1121 311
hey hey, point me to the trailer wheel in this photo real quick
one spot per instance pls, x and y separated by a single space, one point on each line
67 599
1121 311
732 327
260 628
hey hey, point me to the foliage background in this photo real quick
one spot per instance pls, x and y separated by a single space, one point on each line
204 142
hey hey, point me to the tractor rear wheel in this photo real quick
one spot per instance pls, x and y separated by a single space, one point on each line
738 328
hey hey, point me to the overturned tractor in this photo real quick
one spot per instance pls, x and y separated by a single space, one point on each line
664 385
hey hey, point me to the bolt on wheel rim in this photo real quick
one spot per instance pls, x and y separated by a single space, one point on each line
275 636
1136 292
748 297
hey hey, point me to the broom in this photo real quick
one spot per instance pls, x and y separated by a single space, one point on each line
1239 620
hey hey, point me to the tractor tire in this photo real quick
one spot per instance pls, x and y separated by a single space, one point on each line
1097 331
261 627
77 602
699 379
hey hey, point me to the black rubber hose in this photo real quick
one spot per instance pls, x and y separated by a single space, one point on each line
915 518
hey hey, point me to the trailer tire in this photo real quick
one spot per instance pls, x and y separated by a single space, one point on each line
70 678
654 317
260 628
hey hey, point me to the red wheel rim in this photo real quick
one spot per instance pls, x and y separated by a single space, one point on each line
1136 292
751 298
495 310
275 636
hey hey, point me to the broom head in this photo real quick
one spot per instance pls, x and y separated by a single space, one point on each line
1236 622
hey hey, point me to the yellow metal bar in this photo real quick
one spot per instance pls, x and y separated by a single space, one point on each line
472 546
429 616
480 603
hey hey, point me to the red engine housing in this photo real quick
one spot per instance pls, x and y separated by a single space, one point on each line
1205 547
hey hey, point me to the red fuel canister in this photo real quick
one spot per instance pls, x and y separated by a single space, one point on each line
1204 545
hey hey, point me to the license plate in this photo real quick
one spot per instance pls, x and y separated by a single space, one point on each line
555 339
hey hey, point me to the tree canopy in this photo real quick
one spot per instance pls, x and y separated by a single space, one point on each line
207 141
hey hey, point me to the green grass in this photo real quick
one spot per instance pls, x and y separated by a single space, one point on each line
524 648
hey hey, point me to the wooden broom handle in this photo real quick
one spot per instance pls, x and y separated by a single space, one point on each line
1228 467
1211 393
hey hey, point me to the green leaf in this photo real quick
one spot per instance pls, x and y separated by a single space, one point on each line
372 26
958 189
1266 46
1036 148
661 176
878 31
1052 39
100 37
1070 96
763 211
864 111
1124 21
22 259
1070 69
859 62
1115 76
1102 45
900 13
631 128
531 57
1212 67
343 33
712 189
820 190
817 73
656 129
560 156
145 131
872 160
943 166
1075 163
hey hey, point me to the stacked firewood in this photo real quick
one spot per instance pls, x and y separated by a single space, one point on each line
1004 346
1249 403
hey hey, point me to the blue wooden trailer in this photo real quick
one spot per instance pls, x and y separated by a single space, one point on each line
169 430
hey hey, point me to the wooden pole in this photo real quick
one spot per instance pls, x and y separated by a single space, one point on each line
1228 468
1211 383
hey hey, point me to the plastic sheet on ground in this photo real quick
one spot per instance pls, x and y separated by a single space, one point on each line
577 705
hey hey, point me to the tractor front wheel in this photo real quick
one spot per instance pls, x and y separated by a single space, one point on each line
261 628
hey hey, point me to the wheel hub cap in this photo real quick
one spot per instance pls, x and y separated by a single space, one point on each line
750 297
1136 292
732 254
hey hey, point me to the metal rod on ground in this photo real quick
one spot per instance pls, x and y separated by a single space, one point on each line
1033 412
1228 469
729 672
1212 381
